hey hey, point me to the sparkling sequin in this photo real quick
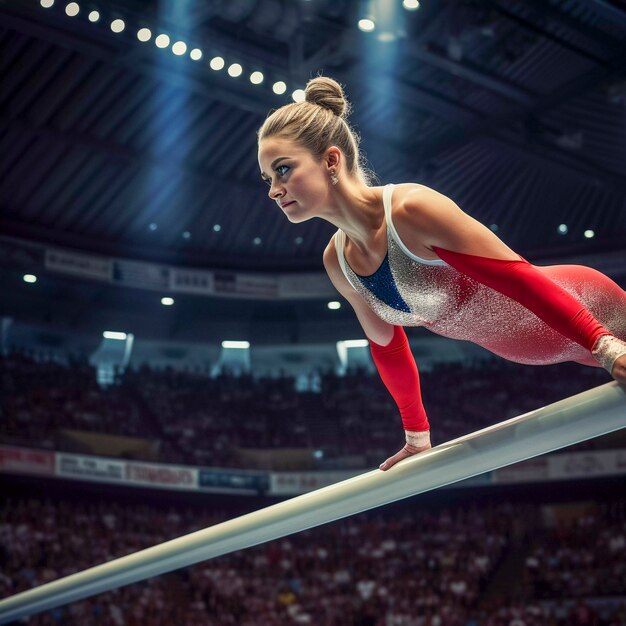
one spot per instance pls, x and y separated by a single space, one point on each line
454 305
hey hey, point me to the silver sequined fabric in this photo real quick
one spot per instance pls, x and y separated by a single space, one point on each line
454 305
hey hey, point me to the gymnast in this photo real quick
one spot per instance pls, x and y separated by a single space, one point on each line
406 255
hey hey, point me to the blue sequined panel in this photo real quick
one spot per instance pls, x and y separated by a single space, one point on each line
383 286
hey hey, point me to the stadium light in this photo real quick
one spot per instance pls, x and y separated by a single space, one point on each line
112 334
238 345
356 343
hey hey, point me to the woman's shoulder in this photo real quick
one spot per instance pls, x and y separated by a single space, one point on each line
414 193
414 213
413 204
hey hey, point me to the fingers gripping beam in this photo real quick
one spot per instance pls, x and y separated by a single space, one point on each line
580 417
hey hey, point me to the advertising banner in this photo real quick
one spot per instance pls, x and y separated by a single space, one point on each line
192 281
83 265
293 483
162 476
587 464
297 483
225 481
26 461
142 275
91 468
246 285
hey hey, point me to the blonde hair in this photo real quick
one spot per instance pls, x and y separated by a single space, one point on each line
318 123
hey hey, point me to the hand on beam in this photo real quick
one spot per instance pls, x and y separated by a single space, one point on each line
407 451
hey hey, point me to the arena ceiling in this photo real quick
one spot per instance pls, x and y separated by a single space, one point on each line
516 110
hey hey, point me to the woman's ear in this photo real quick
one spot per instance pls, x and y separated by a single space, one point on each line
333 157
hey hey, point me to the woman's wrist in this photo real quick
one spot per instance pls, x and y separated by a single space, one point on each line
418 439
607 350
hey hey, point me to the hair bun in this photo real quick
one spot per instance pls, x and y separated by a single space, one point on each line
327 93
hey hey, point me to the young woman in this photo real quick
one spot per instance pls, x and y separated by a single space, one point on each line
406 255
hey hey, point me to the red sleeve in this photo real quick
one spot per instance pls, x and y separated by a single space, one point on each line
398 371
524 283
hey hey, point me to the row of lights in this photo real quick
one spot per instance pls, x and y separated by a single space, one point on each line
167 300
368 25
236 345
179 48
561 230
216 227
31 278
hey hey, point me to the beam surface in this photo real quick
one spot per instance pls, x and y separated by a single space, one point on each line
586 415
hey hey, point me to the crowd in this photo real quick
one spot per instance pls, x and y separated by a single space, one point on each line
586 558
200 420
410 567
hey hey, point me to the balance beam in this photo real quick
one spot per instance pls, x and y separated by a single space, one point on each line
586 415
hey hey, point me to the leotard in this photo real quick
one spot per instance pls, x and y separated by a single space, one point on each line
407 290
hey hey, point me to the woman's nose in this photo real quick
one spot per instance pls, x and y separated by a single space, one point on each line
274 192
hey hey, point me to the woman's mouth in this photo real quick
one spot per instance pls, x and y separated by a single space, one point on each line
287 204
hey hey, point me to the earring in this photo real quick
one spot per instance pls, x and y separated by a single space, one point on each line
333 177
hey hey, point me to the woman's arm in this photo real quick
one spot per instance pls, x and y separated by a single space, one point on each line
427 218
393 358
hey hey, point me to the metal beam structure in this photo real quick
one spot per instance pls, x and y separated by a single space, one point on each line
474 123
577 418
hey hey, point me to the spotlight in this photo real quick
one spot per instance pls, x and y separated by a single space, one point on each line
411 5
196 54
589 234
367 25
562 229
162 41
112 334
217 63
235 70
256 78
94 16
144 34
46 4
30 278
279 87
72 9
298 95
333 306
217 228
167 301
179 48
117 26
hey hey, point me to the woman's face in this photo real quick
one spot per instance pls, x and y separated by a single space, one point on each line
297 182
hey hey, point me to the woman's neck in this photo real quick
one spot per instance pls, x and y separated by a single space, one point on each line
358 211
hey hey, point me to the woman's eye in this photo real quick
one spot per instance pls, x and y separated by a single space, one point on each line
282 167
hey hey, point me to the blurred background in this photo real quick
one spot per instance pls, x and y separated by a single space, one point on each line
173 354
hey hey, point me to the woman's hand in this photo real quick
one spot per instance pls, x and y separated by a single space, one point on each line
407 451
619 369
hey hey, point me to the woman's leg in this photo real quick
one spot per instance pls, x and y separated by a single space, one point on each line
604 298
